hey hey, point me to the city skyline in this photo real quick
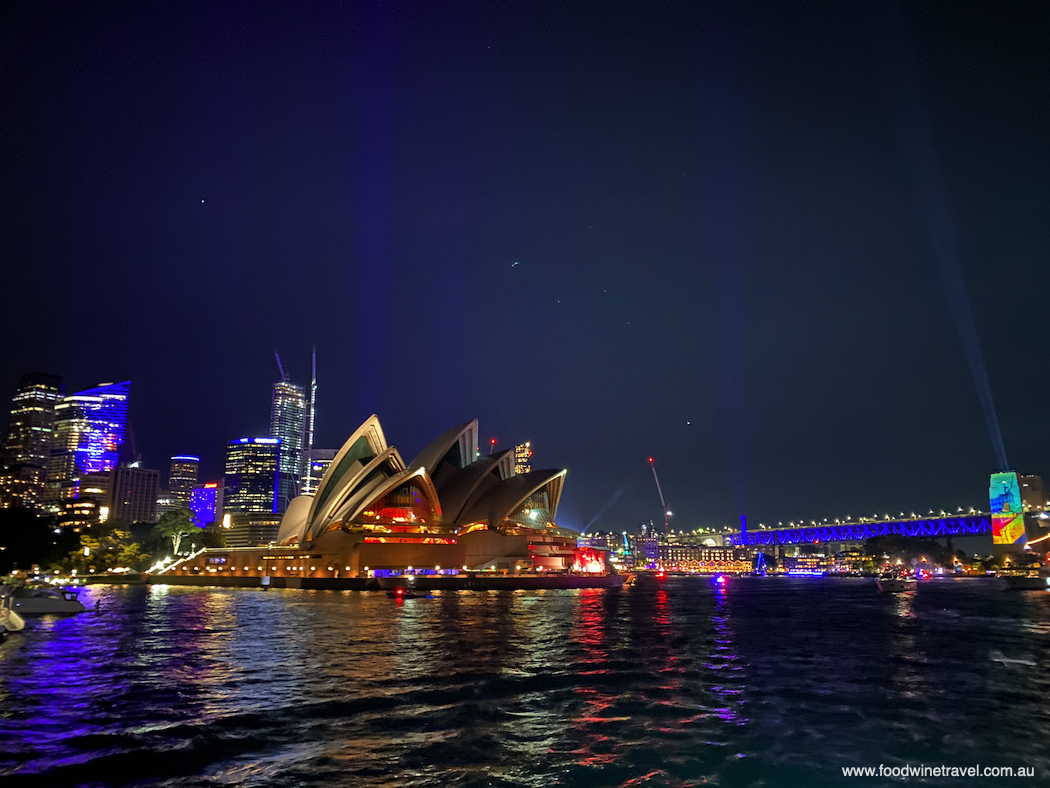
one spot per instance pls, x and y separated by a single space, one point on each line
787 254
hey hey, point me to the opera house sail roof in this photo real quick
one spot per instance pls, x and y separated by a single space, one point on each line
446 490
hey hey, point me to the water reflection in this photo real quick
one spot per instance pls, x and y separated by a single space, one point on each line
763 682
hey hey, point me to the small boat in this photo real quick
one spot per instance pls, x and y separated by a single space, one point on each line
895 584
402 593
10 621
41 600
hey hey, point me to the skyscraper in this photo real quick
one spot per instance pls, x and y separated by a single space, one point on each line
206 503
523 457
252 475
182 477
315 463
28 443
133 494
88 432
288 424
32 419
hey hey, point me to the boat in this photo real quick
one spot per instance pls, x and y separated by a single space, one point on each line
41 600
895 584
10 621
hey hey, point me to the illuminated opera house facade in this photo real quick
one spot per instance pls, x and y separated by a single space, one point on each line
447 511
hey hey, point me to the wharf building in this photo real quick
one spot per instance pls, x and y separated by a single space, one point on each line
702 558
446 511
89 430
23 464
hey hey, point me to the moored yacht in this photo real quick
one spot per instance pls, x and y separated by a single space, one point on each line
40 600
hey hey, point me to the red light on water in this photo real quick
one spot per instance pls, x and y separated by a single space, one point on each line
400 591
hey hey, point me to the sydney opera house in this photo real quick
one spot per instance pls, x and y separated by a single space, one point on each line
447 511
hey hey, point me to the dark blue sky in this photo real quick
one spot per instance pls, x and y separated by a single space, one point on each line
729 223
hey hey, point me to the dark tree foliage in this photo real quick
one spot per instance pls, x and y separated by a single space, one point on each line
28 539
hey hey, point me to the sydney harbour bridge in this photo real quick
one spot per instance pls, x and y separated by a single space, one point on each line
934 527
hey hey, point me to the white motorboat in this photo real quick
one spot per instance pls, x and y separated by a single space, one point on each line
896 583
10 621
40 600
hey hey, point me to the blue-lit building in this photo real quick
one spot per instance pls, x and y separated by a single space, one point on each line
252 475
89 430
206 503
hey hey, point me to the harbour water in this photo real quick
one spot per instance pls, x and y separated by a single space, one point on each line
771 682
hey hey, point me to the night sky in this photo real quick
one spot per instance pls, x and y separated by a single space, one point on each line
770 244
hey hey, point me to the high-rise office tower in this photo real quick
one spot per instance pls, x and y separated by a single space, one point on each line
288 424
133 494
182 477
252 475
315 463
88 432
23 464
32 419
523 457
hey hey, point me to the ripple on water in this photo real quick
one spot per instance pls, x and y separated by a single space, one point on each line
774 682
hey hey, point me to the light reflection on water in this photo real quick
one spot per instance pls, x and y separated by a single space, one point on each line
767 682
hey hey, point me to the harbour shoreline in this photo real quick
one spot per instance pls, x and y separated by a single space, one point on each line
472 582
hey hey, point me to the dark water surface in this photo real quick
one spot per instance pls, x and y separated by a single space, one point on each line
775 682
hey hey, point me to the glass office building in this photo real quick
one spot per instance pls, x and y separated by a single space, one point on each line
288 423
182 477
89 430
252 475
28 443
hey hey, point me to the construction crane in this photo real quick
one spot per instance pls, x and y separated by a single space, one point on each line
663 503
280 366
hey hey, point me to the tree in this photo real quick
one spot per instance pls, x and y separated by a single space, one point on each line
103 551
176 525
26 539
212 538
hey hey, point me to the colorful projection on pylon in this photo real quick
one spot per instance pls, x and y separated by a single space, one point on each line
1007 513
